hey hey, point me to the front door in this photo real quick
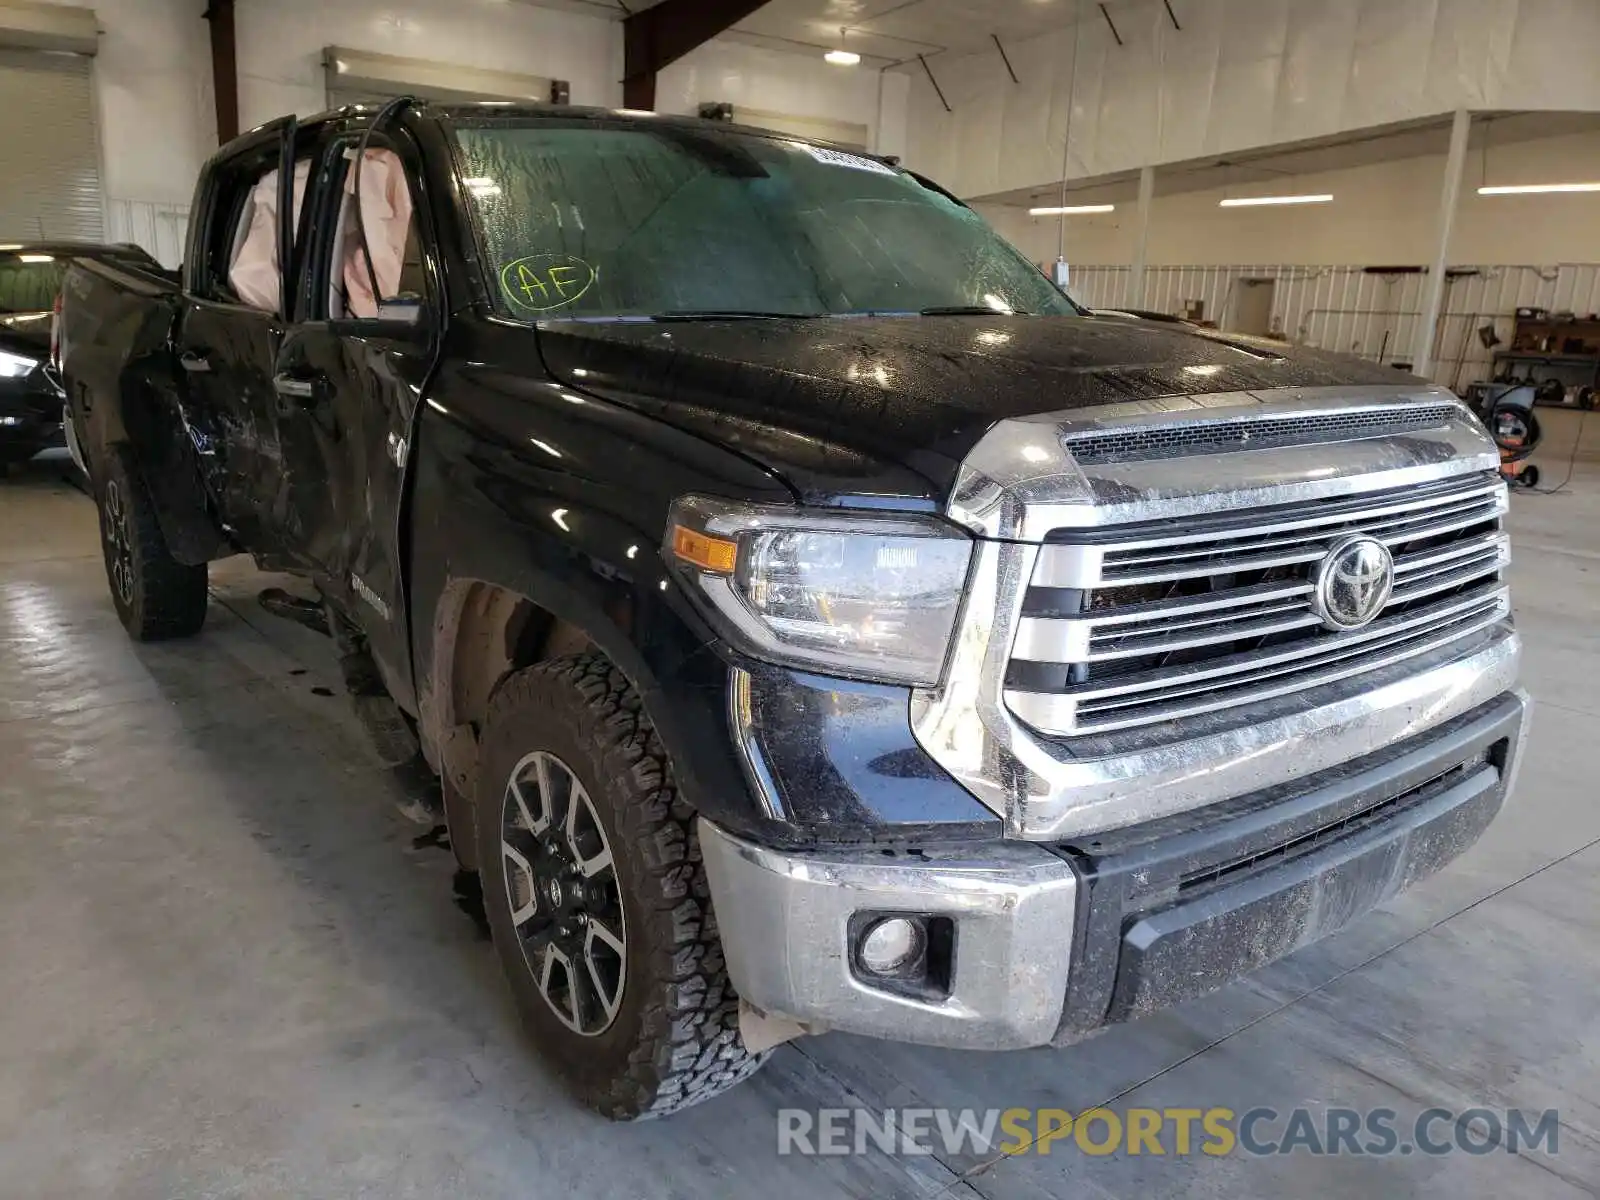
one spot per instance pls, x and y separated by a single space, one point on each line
347 381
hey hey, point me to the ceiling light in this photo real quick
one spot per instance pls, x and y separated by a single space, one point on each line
1253 201
1067 210
1523 189
35 258
839 56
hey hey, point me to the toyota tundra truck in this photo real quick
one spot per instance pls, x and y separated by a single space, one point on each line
815 618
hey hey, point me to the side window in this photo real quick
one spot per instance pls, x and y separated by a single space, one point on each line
382 275
241 253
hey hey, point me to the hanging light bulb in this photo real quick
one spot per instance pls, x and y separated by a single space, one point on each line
841 57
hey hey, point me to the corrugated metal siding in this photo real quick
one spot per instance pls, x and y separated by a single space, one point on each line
49 158
159 228
1346 308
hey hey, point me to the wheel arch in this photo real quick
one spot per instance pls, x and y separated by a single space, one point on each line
485 630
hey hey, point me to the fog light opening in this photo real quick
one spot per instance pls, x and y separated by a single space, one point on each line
893 944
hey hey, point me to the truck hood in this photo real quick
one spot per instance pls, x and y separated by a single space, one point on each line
850 409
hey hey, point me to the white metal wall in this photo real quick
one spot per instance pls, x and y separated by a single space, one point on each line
159 228
1239 73
1348 309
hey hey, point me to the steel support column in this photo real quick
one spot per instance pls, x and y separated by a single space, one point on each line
1141 237
1422 347
224 68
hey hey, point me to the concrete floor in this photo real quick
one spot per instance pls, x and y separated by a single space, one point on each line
227 969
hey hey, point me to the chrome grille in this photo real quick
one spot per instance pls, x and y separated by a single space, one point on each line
1141 624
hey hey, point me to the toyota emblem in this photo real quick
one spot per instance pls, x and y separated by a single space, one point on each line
1352 582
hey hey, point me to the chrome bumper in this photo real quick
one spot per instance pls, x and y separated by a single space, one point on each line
784 920
1160 917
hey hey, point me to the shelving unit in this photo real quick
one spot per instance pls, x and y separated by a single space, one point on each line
1544 347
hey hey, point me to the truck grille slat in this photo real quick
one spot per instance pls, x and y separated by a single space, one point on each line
1304 547
1226 616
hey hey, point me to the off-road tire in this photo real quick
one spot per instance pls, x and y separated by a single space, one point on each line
156 597
675 1039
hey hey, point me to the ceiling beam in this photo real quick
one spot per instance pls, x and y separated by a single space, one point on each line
664 33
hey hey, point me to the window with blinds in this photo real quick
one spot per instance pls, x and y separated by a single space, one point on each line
49 157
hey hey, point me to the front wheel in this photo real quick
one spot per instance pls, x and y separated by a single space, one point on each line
597 897
155 596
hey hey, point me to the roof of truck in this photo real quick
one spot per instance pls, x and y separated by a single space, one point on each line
531 110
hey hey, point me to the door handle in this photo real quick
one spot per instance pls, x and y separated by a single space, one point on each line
297 392
190 361
292 388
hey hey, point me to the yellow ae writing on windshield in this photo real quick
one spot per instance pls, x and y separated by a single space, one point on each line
541 282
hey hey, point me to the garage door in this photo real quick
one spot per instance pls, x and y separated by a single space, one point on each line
49 157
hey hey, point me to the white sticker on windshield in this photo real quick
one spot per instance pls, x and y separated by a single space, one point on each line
838 158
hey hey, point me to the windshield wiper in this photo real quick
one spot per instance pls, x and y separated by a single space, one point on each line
729 314
969 310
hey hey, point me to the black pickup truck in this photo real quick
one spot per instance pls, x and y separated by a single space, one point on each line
816 619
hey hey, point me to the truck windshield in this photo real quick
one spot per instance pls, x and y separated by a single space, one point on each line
590 220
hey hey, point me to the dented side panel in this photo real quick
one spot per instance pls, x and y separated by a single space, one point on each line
124 385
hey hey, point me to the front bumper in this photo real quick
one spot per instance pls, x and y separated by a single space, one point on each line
1051 942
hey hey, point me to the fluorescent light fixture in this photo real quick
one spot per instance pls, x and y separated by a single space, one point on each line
1526 189
842 58
1254 201
1068 210
35 258
11 246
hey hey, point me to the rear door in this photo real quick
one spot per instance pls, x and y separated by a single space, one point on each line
349 378
232 326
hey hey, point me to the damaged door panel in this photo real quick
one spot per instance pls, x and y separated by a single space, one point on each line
348 378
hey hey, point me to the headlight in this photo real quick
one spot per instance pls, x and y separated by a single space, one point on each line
15 366
869 597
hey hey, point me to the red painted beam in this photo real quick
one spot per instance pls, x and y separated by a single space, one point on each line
656 36
224 69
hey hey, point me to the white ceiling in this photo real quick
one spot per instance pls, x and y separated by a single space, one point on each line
892 31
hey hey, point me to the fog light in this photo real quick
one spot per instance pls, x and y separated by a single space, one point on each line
891 944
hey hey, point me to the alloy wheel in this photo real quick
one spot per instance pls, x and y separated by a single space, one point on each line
119 541
564 895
